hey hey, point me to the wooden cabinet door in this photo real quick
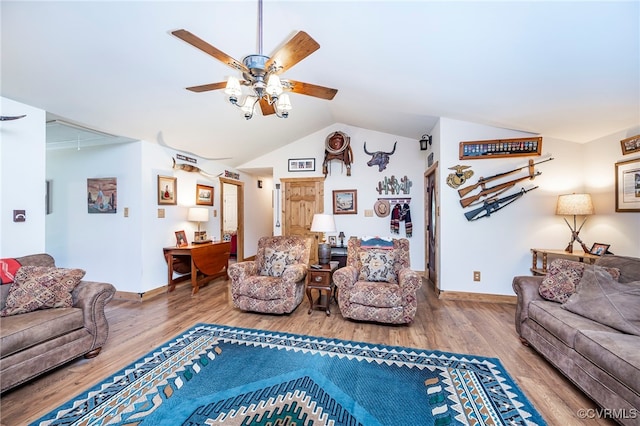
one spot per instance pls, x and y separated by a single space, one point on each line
302 199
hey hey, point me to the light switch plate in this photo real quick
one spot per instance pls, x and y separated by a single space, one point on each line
161 213
368 213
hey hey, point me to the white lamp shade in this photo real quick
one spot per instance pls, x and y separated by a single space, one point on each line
198 214
323 223
574 204
284 103
233 87
274 86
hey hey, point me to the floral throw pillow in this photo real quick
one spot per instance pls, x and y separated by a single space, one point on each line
41 287
563 277
276 261
377 265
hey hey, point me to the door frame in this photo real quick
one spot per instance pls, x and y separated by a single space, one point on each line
431 201
240 202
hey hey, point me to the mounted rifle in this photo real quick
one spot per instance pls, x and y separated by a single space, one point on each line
496 190
493 205
482 181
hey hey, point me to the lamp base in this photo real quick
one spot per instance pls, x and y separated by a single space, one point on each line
324 253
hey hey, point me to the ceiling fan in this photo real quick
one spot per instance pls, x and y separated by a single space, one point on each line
261 73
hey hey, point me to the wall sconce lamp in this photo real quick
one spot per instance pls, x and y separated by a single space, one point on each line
575 205
425 142
199 214
323 223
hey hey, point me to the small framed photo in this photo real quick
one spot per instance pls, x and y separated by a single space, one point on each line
599 249
628 186
181 239
204 195
167 190
302 164
333 241
630 145
345 201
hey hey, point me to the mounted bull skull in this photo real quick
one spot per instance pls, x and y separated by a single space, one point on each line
379 158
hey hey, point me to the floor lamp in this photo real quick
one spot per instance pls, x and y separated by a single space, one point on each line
575 205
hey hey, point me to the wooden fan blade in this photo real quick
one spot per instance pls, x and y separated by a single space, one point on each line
295 50
309 89
208 87
197 42
266 108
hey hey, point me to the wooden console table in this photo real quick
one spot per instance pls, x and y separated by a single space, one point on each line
579 256
210 261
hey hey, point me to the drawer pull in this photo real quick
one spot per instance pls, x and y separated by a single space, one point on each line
317 279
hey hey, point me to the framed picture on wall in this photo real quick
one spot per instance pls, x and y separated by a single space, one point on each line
345 201
630 145
302 164
167 190
102 195
204 195
628 186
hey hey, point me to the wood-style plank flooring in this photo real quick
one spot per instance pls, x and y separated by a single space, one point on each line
479 328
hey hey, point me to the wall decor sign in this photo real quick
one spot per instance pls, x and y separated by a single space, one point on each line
204 195
630 145
231 175
497 148
302 164
628 186
167 190
102 195
345 201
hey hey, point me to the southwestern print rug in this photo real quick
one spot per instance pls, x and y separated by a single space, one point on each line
215 374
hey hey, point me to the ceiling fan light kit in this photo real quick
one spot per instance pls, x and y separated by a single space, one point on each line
261 74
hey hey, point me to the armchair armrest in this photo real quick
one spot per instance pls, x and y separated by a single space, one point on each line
241 270
294 273
345 277
92 297
526 288
409 281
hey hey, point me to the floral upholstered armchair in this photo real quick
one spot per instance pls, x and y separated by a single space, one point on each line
377 283
274 281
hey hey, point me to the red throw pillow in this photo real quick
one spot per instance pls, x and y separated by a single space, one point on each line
8 269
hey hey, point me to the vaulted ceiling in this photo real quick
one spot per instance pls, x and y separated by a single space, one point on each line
568 70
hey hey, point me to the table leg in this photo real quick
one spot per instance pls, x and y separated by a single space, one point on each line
170 283
310 297
194 277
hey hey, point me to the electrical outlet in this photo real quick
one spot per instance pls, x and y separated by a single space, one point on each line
476 275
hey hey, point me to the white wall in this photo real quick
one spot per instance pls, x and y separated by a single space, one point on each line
22 179
127 251
407 160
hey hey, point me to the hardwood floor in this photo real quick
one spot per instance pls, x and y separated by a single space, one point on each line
479 328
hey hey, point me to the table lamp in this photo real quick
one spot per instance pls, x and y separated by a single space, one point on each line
198 214
575 205
323 223
341 236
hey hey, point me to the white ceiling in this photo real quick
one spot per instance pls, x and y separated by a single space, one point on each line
568 70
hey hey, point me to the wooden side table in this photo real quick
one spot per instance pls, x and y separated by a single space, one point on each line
579 256
210 260
321 280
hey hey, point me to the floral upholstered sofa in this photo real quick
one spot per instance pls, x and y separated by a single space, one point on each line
274 281
48 317
377 284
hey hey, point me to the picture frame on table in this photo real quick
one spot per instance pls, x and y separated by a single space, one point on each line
599 248
302 165
628 186
204 195
333 241
345 201
167 190
181 239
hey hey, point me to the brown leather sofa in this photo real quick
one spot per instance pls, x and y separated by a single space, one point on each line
602 361
35 342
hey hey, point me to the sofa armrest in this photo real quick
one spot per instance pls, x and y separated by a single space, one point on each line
526 288
345 277
92 297
294 273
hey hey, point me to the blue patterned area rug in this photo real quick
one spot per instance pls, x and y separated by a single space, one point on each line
214 374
